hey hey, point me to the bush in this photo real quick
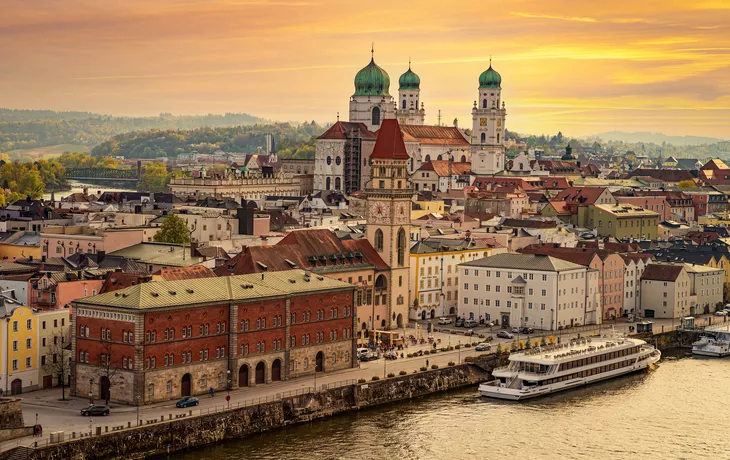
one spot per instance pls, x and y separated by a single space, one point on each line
468 345
423 368
391 375
375 377
444 349
474 344
426 352
434 366
468 359
451 363
402 373
457 347
409 355
361 380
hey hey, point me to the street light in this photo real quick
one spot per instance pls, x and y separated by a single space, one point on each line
228 396
137 398
91 394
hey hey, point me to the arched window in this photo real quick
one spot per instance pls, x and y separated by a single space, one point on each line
378 240
498 138
484 138
376 116
438 158
328 183
401 247
329 160
403 105
338 160
484 104
463 158
337 183
428 158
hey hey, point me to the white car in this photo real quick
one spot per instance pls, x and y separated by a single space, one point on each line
721 313
444 321
515 329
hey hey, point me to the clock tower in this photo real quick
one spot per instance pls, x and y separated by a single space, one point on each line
388 215
488 117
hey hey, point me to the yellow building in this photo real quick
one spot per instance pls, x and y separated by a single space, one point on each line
54 334
427 207
19 339
625 221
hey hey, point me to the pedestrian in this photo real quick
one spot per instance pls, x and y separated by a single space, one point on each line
40 431
212 392
35 430
426 363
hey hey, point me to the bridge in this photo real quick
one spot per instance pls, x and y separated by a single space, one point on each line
102 173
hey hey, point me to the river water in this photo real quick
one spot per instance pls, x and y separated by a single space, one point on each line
94 188
678 410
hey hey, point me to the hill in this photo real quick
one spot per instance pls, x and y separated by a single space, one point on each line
21 130
655 138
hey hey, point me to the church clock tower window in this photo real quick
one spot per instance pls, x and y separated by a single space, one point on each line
376 116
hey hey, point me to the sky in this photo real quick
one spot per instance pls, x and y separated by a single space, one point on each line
571 65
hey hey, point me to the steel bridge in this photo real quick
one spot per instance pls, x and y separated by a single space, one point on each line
102 173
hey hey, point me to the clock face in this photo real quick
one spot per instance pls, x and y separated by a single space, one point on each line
379 210
499 122
482 122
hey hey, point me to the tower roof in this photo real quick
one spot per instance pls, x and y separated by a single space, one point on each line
389 144
490 78
409 80
372 80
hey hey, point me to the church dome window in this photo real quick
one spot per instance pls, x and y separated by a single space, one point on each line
329 160
338 161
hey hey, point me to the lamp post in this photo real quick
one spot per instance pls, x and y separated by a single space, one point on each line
228 396
137 398
91 393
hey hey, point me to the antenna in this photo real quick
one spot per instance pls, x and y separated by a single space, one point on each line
372 50
439 118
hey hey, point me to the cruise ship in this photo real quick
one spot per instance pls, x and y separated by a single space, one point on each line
715 342
544 370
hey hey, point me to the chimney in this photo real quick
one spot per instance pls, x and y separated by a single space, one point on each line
193 249
100 256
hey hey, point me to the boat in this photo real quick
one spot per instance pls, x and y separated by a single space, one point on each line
715 342
545 370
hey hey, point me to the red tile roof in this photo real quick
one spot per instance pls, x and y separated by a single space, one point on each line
389 144
345 129
441 167
299 247
580 195
661 272
185 273
120 280
667 175
435 135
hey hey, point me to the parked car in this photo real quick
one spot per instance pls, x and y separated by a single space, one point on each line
444 320
505 335
95 409
515 329
527 330
489 324
187 401
721 313
483 347
459 322
471 323
371 356
362 351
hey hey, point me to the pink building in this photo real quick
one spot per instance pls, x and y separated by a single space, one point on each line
57 290
64 241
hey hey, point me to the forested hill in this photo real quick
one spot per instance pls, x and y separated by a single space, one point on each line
291 140
28 129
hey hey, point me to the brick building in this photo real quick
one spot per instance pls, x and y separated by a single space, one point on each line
166 339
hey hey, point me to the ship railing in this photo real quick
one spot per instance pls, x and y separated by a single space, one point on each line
501 369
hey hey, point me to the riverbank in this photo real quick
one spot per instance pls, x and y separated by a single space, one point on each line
177 433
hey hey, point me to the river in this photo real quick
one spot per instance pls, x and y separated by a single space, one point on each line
94 188
678 410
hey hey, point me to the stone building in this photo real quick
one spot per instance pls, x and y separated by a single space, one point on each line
165 339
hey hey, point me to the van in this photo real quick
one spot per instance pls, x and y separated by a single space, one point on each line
470 323
362 351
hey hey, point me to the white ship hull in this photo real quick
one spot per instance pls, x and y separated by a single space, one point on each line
711 351
493 389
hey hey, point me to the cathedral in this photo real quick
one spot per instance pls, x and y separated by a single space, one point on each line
343 152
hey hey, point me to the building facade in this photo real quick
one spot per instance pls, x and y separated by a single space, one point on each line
488 124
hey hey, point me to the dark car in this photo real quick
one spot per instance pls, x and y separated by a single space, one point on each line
459 322
527 330
95 409
187 401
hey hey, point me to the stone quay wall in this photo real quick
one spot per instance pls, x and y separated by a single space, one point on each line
190 432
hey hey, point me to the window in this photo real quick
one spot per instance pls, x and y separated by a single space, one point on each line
379 240
15 345
27 362
29 324
376 116
15 364
169 386
28 343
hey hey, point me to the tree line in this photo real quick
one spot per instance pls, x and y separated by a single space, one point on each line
21 180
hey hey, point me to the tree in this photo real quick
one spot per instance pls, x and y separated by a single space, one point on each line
109 366
173 230
107 162
687 184
154 177
58 361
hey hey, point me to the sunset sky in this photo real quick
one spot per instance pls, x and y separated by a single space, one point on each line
578 66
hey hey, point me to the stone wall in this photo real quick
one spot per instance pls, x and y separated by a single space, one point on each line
11 415
186 433
14 433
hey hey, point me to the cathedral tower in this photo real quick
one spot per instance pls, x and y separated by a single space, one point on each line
388 216
372 102
488 117
409 97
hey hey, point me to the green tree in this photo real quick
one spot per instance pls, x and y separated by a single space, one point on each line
107 162
687 184
173 230
154 177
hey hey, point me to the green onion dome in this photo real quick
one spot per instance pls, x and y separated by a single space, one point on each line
372 80
409 80
490 78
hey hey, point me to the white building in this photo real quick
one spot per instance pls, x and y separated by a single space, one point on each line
706 285
634 268
371 103
488 119
666 291
532 290
409 95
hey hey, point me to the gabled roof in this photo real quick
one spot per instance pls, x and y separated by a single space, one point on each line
389 144
662 272
435 135
441 167
667 175
523 262
346 130
715 163
582 196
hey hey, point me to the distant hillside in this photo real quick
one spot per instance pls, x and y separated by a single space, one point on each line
289 139
21 130
655 138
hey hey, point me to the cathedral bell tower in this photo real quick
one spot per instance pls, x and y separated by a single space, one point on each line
388 215
409 98
488 118
372 103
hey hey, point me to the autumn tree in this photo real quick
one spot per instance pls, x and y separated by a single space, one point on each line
173 230
58 361
108 368
687 184
154 177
